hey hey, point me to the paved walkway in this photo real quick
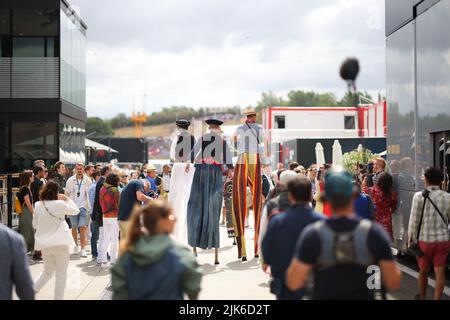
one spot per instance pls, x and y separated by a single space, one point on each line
85 280
232 279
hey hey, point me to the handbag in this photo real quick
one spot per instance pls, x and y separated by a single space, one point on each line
18 206
414 246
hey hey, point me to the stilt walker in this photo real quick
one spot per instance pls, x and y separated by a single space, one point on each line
181 180
205 203
250 137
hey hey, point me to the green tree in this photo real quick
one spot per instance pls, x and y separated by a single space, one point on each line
353 158
349 98
269 99
120 121
299 98
98 127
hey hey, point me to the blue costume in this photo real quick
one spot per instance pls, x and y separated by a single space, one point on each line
206 198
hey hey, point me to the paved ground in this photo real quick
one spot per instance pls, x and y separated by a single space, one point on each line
85 280
231 280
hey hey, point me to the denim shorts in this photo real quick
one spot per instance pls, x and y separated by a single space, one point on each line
80 220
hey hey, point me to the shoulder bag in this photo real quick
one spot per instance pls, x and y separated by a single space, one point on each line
414 246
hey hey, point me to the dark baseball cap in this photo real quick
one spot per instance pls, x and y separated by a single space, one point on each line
338 185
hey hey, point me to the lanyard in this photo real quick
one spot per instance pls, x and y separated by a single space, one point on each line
79 185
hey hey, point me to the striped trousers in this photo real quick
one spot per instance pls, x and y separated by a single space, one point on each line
247 173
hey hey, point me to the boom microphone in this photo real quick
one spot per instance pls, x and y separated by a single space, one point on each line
350 69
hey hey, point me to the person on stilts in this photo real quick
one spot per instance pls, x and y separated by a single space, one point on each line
181 179
251 140
212 160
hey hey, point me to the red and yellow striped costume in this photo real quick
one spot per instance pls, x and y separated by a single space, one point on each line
247 172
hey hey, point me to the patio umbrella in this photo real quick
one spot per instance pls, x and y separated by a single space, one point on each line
360 148
320 157
337 153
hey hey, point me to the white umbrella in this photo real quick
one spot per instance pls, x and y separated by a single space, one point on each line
320 157
337 153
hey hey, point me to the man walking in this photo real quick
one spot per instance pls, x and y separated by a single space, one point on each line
14 270
38 182
77 189
249 136
181 179
165 177
151 178
277 205
95 226
429 228
278 246
342 250
59 176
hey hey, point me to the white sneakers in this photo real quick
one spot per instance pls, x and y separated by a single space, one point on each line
106 265
83 253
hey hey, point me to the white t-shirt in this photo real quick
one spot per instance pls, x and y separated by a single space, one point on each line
80 192
165 182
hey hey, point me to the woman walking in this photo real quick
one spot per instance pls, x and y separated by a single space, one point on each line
152 265
53 236
385 201
25 197
109 201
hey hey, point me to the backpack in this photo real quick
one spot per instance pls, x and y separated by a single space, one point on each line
339 248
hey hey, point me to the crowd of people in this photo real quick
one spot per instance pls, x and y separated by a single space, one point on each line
319 220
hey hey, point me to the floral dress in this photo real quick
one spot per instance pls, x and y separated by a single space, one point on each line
385 206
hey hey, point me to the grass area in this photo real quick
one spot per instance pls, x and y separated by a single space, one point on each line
163 130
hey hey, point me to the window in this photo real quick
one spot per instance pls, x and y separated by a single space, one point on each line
42 22
280 122
32 141
33 47
4 22
350 123
29 47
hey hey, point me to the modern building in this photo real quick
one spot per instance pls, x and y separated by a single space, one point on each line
287 123
42 83
293 132
418 92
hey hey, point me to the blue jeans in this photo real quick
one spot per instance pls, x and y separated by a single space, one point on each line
95 233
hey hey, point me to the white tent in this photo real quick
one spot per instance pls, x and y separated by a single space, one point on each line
98 146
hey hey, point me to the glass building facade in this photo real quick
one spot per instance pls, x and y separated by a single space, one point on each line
418 94
73 59
42 83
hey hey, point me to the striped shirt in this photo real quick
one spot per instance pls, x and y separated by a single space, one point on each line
433 229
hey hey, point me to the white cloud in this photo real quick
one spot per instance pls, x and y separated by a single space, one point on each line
227 52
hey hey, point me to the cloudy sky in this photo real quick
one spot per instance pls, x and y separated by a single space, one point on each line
225 52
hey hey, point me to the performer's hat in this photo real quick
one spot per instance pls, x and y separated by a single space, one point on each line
250 112
183 123
214 122
151 168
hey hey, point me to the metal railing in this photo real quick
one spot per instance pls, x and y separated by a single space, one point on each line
7 198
